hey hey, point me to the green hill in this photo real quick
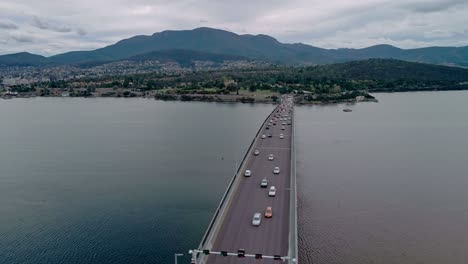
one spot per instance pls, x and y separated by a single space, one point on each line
255 47
389 70
22 59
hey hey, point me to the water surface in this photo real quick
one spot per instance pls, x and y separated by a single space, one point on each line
386 183
135 180
114 180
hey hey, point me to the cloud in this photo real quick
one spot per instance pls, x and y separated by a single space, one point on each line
7 25
81 32
42 24
428 6
23 39
60 26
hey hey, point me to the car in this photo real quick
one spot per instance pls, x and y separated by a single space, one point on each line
281 136
256 152
269 212
276 170
283 128
284 123
272 191
270 135
274 124
264 183
267 127
263 136
271 157
257 219
247 173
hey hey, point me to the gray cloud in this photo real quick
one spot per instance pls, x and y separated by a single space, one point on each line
42 24
8 25
429 6
60 26
23 39
81 32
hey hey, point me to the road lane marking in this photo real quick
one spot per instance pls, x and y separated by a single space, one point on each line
273 148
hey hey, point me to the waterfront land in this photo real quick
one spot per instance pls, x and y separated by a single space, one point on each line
252 82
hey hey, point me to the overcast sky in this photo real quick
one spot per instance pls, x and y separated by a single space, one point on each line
49 27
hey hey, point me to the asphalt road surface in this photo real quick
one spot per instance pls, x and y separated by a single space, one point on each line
272 236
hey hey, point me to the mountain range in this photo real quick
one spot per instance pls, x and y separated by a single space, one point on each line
208 44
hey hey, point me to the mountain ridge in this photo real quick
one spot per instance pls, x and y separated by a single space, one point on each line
254 47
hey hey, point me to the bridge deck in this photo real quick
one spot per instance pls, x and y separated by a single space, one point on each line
272 236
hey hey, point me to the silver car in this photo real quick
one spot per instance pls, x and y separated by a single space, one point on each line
257 219
272 191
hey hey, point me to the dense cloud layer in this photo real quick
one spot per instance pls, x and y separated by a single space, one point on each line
51 27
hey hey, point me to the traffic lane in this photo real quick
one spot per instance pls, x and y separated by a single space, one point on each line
275 141
242 194
271 237
249 188
262 200
244 232
256 239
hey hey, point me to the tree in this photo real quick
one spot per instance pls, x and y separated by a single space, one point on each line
233 87
115 83
127 81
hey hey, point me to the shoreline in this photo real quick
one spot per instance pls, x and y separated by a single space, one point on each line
201 99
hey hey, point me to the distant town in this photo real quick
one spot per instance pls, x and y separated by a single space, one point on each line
246 81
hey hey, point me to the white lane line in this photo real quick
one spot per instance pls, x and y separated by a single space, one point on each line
273 148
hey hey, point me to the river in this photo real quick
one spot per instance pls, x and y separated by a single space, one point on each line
112 180
385 183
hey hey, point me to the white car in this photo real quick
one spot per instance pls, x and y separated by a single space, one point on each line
281 136
257 219
276 170
283 128
256 152
263 136
264 183
247 173
272 191
271 157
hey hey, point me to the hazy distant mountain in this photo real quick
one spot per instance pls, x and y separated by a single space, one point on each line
258 47
185 58
22 59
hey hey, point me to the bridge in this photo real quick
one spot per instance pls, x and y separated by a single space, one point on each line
231 236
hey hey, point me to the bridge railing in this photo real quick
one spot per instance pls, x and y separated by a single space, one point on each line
214 225
293 198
